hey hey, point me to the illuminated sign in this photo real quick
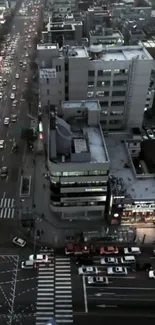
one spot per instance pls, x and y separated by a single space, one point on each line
139 207
47 73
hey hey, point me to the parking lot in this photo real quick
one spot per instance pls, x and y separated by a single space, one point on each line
8 278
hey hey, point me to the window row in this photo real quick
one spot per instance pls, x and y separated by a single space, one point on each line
100 73
107 83
112 113
106 93
113 103
80 173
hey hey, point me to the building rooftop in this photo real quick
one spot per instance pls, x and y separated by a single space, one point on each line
137 189
105 33
126 53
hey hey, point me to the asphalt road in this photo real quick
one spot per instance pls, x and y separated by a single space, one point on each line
8 186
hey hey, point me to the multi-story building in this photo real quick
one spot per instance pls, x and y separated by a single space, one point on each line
63 33
62 7
78 161
96 16
105 36
119 77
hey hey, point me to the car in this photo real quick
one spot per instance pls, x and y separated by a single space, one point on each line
117 270
108 250
26 55
1 95
87 270
97 280
14 103
1 144
151 274
132 250
4 172
19 242
150 133
14 147
109 260
12 96
14 87
6 121
39 258
28 265
13 118
26 80
24 67
17 76
84 261
4 82
24 62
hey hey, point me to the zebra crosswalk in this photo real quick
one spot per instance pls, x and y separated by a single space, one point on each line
7 208
54 291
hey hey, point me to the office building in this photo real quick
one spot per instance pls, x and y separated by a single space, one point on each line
105 36
78 162
118 77
63 33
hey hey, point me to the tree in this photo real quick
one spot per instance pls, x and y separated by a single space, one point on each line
27 134
33 65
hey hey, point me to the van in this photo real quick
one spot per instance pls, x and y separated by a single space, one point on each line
27 265
128 259
132 250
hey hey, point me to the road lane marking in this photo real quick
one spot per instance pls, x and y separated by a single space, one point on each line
85 294
2 158
129 288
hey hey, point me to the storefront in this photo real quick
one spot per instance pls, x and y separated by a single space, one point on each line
138 212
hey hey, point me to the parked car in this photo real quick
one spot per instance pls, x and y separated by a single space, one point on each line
97 280
109 250
19 242
109 260
117 270
132 250
87 270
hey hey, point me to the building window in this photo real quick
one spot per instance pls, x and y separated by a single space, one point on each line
104 104
103 83
119 83
120 71
48 91
58 68
90 94
117 103
104 113
104 73
118 93
102 93
91 73
47 80
90 84
115 122
116 113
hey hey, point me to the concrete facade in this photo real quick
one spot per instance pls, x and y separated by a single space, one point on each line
118 77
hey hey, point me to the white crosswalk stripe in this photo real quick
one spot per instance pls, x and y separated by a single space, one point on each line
7 208
63 291
45 290
54 292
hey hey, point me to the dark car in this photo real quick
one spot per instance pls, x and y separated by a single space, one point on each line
15 147
84 261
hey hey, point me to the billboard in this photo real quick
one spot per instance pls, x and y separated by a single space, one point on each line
47 73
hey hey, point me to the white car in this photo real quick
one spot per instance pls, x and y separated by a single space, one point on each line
14 87
132 250
117 270
6 121
150 133
17 76
26 80
84 270
1 95
12 96
38 258
14 103
19 242
151 274
1 144
109 260
97 280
